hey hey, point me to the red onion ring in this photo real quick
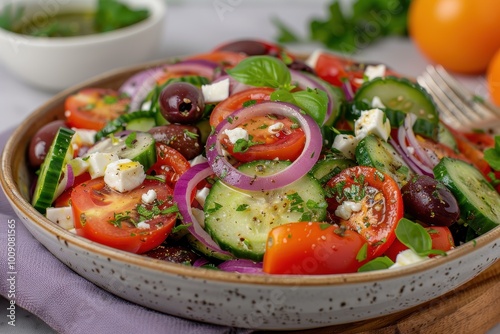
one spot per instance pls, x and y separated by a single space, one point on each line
402 135
182 196
133 84
409 161
242 266
412 140
301 166
348 91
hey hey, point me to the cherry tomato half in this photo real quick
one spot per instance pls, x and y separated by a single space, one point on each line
105 216
312 248
285 143
379 200
169 163
92 108
238 101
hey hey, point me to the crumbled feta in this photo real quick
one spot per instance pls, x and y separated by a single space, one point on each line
216 92
372 121
197 160
374 71
407 257
346 209
62 216
149 197
124 175
235 134
345 144
98 161
143 225
313 58
79 166
84 137
276 127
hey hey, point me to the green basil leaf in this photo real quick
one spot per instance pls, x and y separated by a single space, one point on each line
313 102
262 71
414 236
282 95
379 263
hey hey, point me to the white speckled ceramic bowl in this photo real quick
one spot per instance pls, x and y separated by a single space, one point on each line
252 301
57 63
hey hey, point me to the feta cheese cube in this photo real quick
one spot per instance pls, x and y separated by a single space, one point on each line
345 144
216 92
124 175
313 58
62 216
407 257
235 134
98 162
372 121
201 195
377 102
197 160
84 136
79 166
374 71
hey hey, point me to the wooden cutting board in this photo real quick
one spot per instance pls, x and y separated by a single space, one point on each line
473 308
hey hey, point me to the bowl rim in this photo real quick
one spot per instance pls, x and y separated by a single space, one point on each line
157 11
16 199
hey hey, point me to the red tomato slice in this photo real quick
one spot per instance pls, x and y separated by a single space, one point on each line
335 70
237 101
92 108
286 144
100 214
441 236
312 248
381 205
170 163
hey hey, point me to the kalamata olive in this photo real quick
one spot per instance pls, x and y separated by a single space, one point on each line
429 201
246 46
41 141
173 253
181 102
184 138
300 65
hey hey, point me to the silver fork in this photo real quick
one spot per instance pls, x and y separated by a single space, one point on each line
457 106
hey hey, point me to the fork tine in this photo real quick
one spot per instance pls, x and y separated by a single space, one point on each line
483 107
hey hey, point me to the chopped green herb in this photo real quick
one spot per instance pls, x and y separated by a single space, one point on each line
379 263
242 207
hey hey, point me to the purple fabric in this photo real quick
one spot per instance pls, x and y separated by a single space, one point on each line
67 302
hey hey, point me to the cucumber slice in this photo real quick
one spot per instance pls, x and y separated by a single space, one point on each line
204 250
478 201
325 169
446 137
375 152
59 153
141 148
239 221
403 95
134 121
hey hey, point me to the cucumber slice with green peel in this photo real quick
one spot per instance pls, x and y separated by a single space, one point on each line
375 152
134 121
206 251
445 137
239 221
137 146
478 201
325 169
403 95
58 155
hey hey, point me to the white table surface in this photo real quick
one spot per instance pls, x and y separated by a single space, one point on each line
197 26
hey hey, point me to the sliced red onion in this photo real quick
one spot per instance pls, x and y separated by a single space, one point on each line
200 262
148 80
402 135
182 196
301 166
242 266
67 181
409 161
133 84
71 176
413 142
348 91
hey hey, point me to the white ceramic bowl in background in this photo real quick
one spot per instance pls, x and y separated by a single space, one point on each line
57 63
232 299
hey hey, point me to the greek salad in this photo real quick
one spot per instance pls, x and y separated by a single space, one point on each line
250 159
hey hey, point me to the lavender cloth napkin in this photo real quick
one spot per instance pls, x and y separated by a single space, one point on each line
67 302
